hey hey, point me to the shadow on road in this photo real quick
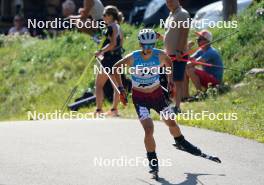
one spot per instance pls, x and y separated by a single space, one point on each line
191 179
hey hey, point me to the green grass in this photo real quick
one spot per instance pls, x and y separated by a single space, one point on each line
39 74
246 102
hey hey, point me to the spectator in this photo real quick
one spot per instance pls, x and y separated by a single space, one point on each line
112 53
91 13
207 54
93 9
18 28
175 42
68 8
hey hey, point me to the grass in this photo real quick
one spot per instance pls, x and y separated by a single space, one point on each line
39 74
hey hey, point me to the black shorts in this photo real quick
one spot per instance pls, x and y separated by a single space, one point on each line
143 102
179 68
109 61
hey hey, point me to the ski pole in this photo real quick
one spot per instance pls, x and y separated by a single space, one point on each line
208 65
166 90
73 91
216 66
109 77
195 49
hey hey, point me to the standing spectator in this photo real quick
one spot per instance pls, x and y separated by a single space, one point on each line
112 53
18 28
175 41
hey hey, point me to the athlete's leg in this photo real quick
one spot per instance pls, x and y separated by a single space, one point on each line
150 144
180 142
149 141
173 127
101 79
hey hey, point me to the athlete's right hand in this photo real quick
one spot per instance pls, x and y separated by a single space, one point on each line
123 95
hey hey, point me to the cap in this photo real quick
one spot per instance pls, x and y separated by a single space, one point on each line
206 34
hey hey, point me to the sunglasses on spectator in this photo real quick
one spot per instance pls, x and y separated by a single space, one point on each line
200 39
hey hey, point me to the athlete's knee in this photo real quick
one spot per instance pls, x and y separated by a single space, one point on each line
149 130
171 123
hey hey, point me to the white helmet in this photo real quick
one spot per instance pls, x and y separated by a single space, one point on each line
147 36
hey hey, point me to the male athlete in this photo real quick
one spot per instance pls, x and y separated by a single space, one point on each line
147 94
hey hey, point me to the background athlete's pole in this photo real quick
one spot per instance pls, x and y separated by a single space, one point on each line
109 77
121 91
73 91
209 43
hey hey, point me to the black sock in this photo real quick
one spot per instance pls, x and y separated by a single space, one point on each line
151 155
179 139
153 160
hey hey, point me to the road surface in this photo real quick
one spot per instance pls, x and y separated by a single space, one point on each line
111 152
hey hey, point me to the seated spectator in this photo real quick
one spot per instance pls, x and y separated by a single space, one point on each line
18 28
205 76
92 11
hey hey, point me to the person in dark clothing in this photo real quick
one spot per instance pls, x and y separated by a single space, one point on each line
111 53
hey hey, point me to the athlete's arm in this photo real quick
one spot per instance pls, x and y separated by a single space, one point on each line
125 62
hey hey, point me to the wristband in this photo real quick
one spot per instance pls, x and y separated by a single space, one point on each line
121 88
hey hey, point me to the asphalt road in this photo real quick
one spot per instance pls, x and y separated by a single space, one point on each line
105 153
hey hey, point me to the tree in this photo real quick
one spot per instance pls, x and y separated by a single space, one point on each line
229 8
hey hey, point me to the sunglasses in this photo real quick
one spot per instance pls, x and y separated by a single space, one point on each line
148 46
200 39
